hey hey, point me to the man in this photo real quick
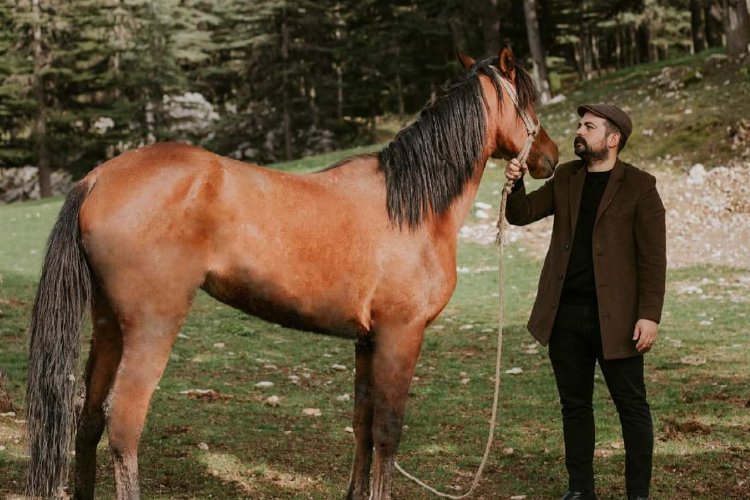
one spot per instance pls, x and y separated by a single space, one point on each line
601 289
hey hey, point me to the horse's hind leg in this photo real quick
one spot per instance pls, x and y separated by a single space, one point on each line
359 484
104 358
147 342
395 357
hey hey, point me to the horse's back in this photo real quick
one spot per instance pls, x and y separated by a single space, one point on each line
312 251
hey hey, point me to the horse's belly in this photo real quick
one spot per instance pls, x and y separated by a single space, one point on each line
332 310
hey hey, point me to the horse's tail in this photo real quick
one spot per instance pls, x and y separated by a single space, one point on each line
55 343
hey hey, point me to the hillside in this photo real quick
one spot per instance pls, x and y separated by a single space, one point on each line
685 111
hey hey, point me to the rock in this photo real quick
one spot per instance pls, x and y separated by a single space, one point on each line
339 368
514 371
311 412
481 214
349 429
272 401
343 397
22 183
697 174
264 384
219 345
202 446
557 99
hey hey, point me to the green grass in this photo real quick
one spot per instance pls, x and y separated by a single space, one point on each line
260 451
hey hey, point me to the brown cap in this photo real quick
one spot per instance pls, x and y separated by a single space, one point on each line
612 113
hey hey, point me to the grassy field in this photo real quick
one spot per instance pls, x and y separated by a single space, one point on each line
235 446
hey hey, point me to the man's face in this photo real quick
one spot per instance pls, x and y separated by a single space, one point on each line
591 138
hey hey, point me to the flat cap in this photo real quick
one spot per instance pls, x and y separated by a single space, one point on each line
612 113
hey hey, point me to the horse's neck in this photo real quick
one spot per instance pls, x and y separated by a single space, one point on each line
463 203
460 208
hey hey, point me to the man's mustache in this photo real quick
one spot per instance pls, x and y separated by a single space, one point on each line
580 140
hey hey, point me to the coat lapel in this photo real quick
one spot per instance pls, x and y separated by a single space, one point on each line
615 180
574 195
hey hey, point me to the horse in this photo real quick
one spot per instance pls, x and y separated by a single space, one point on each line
364 249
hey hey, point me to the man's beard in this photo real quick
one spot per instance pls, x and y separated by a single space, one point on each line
582 149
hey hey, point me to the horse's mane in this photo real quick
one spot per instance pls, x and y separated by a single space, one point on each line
428 164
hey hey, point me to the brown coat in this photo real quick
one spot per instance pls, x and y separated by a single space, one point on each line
629 250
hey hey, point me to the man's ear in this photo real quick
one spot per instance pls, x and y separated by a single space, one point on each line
613 140
466 61
507 64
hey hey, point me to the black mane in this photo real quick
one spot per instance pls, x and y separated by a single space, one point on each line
428 164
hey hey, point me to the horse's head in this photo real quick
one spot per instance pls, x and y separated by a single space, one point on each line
513 119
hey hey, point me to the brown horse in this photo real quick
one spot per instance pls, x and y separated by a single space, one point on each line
365 249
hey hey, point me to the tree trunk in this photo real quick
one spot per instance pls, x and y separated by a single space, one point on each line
40 123
457 34
595 40
150 119
712 18
587 56
645 50
285 87
635 53
736 26
400 96
697 26
578 58
618 48
537 50
491 28
339 91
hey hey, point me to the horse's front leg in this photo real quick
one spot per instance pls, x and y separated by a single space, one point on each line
394 358
359 484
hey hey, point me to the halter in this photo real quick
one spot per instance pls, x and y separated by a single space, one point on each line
532 128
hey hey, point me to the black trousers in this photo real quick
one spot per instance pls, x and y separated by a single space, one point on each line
574 348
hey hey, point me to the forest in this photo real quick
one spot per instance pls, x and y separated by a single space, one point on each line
272 80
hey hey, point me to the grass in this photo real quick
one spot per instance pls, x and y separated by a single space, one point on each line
253 450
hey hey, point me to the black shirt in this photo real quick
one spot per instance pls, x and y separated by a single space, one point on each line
579 286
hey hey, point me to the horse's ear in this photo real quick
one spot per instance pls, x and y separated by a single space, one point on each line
507 64
466 61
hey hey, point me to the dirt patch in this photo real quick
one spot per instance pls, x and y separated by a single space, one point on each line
673 429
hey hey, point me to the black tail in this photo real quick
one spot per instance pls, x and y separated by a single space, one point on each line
55 330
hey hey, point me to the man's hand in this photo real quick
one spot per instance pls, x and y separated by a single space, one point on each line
515 170
645 334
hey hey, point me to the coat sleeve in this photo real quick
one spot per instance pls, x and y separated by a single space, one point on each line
650 239
523 208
